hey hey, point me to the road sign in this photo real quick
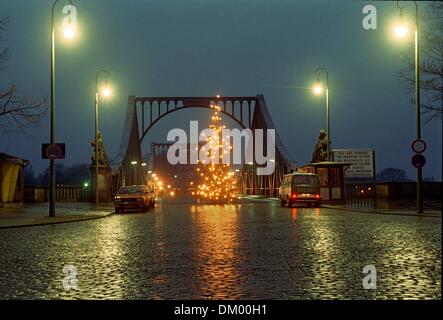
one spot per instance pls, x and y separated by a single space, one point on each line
418 160
418 146
53 151
362 162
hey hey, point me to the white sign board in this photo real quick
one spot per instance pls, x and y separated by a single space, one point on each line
362 162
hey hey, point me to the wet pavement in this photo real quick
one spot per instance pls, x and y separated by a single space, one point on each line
38 214
252 250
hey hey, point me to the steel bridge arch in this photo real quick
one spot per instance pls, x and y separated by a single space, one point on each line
168 112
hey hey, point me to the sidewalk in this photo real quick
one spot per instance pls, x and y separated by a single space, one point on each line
432 208
37 214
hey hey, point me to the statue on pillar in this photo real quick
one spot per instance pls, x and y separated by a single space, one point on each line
103 160
321 148
104 171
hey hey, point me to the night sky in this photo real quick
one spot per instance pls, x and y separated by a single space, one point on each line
227 47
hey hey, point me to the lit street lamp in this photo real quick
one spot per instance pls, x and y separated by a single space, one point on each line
106 92
401 31
69 33
318 90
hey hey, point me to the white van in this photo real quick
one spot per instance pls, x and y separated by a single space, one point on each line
300 188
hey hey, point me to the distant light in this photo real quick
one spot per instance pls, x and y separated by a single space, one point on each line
317 89
218 96
149 171
106 91
69 33
250 163
237 170
175 176
172 193
134 162
144 164
86 184
401 31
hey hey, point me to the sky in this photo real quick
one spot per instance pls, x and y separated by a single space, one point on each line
227 47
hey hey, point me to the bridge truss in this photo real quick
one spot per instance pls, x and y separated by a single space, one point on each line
248 112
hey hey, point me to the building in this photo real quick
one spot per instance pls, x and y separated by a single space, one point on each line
11 180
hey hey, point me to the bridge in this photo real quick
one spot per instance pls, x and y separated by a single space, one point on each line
248 112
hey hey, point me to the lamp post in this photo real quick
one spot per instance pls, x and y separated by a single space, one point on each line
401 31
106 91
318 89
69 33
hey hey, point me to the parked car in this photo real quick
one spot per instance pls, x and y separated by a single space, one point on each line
135 198
300 188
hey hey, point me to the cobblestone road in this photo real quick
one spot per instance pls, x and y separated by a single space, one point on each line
253 250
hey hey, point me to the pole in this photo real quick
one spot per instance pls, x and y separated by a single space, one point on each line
52 168
96 145
52 125
106 73
328 127
417 107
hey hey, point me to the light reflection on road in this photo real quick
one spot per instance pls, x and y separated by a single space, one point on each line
216 230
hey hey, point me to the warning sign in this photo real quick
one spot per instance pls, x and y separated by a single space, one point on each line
362 162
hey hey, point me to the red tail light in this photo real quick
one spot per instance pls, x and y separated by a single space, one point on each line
317 196
294 195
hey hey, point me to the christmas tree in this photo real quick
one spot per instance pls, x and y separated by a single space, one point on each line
217 181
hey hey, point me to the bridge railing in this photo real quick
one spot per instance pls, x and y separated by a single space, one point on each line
74 193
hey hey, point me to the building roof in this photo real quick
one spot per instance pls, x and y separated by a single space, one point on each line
12 159
327 164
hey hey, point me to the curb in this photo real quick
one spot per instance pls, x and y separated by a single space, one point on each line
383 213
58 222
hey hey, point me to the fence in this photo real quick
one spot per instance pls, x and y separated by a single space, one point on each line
392 190
62 193
361 190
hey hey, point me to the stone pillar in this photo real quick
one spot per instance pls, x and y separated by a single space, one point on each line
104 173
104 183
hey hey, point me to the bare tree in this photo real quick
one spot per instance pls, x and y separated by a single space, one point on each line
18 111
431 61
392 175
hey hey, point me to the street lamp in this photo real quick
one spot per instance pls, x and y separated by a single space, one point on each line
401 31
106 92
318 90
69 33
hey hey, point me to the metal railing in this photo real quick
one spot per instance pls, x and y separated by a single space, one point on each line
72 193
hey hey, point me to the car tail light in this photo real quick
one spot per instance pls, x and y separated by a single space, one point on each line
294 195
317 196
